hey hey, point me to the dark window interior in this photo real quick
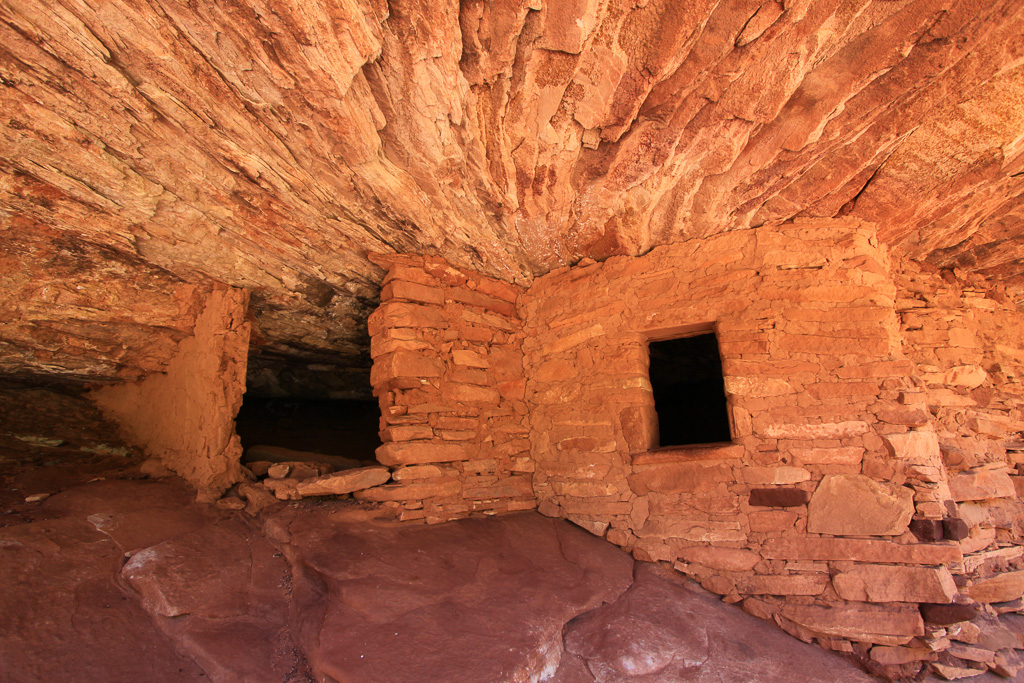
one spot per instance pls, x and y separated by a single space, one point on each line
689 391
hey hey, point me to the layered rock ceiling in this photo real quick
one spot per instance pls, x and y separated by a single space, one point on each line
150 148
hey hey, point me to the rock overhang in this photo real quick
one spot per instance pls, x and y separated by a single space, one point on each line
509 139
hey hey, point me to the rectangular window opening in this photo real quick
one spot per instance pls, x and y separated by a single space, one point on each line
689 391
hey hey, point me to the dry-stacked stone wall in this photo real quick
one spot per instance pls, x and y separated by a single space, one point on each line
806 515
967 342
448 373
868 498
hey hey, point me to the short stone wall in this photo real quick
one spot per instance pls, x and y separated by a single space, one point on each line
184 417
448 372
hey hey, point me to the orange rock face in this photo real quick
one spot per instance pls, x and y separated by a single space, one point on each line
488 211
272 147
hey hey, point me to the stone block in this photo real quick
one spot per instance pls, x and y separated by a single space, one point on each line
279 470
471 393
397 314
419 453
888 655
408 273
859 550
893 583
410 491
498 289
856 505
555 370
344 482
952 672
757 387
908 416
778 497
574 339
474 298
858 621
404 364
774 475
678 477
955 529
380 346
549 508
793 584
944 614
850 455
990 428
771 520
992 635
475 376
833 346
410 432
283 489
414 472
696 531
470 359
412 291
915 447
844 390
1000 588
926 530
827 430
971 653
722 559
1006 664
970 376
506 487
981 485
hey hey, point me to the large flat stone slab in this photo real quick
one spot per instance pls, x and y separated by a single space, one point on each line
667 629
62 616
856 505
474 600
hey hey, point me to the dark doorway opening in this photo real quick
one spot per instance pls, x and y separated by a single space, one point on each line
346 428
689 391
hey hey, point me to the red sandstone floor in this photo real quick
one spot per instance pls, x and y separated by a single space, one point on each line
125 579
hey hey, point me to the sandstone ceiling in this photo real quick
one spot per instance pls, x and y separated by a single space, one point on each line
151 146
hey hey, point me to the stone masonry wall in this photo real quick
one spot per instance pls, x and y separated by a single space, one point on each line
869 497
968 345
805 516
448 372
185 416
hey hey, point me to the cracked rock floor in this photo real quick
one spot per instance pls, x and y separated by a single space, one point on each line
126 579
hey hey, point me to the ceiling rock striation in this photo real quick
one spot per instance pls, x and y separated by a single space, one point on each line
276 145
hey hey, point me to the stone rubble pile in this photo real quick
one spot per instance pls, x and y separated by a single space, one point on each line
293 475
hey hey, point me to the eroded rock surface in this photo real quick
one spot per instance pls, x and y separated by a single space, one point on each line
664 629
473 600
272 146
205 594
63 616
